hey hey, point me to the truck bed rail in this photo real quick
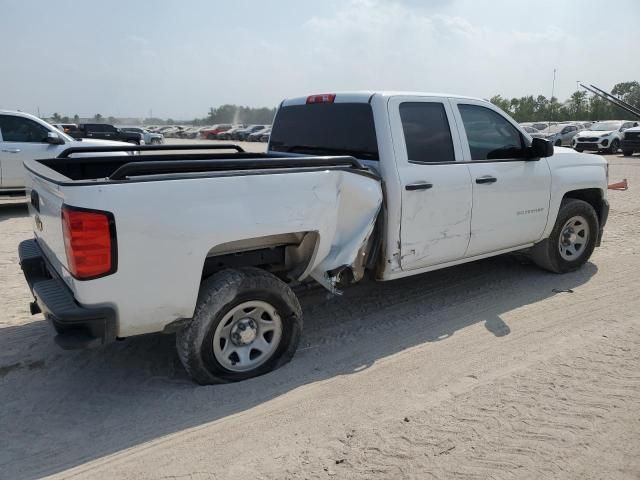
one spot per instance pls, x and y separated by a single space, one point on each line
145 148
188 165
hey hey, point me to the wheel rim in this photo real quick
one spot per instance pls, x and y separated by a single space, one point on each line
614 146
574 238
247 336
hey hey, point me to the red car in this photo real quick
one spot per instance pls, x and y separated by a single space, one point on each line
211 132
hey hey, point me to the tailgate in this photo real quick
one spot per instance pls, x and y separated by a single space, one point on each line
45 207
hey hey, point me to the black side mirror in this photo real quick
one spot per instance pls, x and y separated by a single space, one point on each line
54 139
540 148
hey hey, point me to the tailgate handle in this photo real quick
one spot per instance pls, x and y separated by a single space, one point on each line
35 200
11 150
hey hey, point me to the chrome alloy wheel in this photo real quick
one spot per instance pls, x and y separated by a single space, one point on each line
574 238
247 336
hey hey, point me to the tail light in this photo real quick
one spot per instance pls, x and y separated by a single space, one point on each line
322 98
89 242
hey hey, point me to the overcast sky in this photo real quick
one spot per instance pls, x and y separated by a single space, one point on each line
124 58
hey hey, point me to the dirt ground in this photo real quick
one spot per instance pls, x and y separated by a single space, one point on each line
494 369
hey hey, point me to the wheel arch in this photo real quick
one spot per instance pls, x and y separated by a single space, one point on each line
291 255
593 196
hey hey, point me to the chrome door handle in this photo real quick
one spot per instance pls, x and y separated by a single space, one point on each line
11 150
418 186
487 179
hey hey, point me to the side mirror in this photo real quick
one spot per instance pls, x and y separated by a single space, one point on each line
540 148
54 139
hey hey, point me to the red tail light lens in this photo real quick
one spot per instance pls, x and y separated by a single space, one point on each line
322 98
90 242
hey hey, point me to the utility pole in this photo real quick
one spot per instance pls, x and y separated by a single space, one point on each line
553 85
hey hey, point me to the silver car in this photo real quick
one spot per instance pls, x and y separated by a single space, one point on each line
562 135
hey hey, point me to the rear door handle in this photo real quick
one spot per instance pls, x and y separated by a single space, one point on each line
418 186
486 179
11 150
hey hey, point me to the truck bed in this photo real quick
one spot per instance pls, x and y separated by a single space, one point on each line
176 215
165 160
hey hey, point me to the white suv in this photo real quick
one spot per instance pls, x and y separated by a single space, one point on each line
602 136
26 137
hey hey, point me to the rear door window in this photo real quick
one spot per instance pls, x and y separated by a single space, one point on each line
426 132
326 129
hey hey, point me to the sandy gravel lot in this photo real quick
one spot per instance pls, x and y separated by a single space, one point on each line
494 369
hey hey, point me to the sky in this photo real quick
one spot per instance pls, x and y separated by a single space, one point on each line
178 58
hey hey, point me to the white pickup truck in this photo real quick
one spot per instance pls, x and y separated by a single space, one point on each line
208 244
23 137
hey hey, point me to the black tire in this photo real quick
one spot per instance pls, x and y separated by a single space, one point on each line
218 295
579 150
546 254
211 136
558 143
615 145
627 153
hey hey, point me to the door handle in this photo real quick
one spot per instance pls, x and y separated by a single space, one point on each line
11 150
486 179
418 186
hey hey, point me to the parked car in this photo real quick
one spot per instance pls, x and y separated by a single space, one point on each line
562 134
258 134
602 136
224 284
630 141
534 132
243 133
212 132
25 137
149 138
265 136
192 132
105 131
65 127
228 134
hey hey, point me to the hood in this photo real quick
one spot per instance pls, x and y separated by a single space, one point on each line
633 129
595 133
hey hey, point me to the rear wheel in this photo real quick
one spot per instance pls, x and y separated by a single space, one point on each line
247 322
627 153
572 239
558 143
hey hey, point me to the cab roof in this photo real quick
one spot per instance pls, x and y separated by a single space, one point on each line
364 96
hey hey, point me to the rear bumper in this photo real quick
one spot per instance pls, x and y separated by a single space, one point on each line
77 326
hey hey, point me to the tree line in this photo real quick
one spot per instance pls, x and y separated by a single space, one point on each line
579 106
222 114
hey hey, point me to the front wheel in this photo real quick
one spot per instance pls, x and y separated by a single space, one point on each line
572 239
558 143
247 322
579 150
615 145
627 153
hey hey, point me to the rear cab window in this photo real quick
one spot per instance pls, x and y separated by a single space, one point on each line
326 129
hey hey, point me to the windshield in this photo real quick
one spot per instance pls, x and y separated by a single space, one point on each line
606 126
326 129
